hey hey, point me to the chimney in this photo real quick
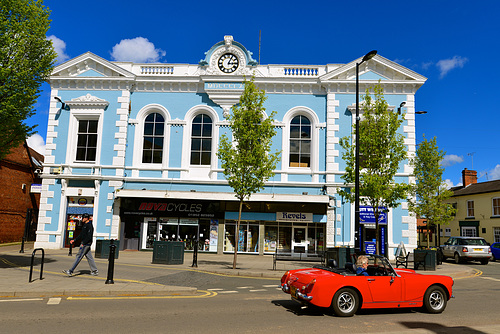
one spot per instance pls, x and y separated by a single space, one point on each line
469 177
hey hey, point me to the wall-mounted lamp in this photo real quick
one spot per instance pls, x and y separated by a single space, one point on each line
63 105
401 106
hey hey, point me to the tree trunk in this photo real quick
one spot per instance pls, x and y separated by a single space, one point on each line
237 236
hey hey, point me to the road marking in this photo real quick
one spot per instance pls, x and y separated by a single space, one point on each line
491 278
215 289
257 290
244 287
21 300
204 294
54 301
270 286
230 291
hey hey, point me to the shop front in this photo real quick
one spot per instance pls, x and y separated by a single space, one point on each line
145 220
77 206
287 231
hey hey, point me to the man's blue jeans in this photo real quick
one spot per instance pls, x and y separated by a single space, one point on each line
84 251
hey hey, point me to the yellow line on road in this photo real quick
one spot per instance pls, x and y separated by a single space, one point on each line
205 294
476 273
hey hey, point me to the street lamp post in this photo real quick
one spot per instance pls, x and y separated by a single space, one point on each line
358 244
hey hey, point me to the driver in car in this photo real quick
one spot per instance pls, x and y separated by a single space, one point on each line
362 264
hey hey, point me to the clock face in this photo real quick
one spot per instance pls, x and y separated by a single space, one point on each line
228 63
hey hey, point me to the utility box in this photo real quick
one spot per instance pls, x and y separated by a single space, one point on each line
168 252
425 258
102 248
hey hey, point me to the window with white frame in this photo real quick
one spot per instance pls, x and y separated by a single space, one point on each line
496 234
470 208
201 140
496 206
86 146
469 231
300 142
154 130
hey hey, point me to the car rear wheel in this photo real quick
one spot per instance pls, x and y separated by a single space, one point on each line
484 261
345 302
435 299
457 258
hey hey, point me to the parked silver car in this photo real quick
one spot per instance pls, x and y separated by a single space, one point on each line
466 249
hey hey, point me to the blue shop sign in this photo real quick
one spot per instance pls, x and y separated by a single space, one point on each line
370 247
366 215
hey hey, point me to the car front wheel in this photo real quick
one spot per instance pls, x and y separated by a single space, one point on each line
345 302
435 299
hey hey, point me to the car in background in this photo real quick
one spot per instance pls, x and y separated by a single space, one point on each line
495 251
344 292
466 249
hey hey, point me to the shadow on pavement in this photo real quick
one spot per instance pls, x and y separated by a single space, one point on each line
12 261
438 328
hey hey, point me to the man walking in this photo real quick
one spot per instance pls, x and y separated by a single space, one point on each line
86 236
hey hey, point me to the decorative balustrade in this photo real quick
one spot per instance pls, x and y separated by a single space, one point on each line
157 70
301 71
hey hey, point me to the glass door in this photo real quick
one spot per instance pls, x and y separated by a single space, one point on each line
299 241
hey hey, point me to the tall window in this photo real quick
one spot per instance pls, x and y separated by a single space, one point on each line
86 147
152 149
201 140
470 208
300 142
496 206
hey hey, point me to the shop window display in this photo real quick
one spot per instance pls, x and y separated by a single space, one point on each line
248 238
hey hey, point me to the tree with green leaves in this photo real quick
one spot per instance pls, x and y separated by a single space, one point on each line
381 150
26 61
429 191
246 159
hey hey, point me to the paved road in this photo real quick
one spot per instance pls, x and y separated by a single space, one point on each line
250 305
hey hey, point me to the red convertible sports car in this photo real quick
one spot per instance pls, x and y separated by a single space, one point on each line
385 287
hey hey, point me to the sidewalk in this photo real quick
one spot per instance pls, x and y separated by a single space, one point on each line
134 273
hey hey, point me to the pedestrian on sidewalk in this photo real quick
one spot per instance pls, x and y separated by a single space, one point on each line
86 237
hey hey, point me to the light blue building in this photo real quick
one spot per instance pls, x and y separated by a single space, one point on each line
135 146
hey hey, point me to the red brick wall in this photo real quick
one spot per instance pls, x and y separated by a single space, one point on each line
16 170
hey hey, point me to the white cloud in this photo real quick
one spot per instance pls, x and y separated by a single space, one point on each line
37 143
138 50
451 159
494 174
449 184
446 65
60 48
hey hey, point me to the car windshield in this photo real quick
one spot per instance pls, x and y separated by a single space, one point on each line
473 242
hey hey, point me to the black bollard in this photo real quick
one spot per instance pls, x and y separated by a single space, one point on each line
195 255
111 264
70 253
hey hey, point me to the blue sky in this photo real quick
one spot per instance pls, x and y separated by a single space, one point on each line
452 43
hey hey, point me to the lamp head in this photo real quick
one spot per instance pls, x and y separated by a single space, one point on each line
369 55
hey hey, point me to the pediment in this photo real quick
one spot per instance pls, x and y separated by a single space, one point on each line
90 65
377 68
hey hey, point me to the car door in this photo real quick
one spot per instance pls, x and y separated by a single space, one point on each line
447 248
385 289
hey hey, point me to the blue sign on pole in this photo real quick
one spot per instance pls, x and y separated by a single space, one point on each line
370 247
366 215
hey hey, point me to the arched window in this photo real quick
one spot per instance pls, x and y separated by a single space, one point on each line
300 142
201 140
152 149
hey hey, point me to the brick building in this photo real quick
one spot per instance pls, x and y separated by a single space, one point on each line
19 193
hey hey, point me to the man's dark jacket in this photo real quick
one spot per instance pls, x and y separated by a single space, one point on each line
86 235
